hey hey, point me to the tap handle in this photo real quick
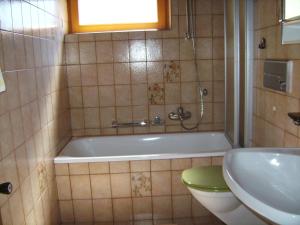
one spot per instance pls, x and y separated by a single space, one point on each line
180 110
6 188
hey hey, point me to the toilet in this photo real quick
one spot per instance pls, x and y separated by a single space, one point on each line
208 186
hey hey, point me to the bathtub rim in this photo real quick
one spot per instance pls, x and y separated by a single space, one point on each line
68 159
59 159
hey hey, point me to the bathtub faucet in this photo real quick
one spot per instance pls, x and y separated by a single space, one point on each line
180 114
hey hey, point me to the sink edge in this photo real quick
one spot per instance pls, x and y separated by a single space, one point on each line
252 202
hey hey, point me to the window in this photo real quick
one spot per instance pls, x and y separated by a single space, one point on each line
118 15
291 9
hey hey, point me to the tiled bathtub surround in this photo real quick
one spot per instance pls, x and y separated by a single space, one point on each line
34 114
137 75
273 127
128 191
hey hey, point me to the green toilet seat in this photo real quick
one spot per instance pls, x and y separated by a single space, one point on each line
206 178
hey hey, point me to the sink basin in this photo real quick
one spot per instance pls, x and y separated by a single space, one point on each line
267 180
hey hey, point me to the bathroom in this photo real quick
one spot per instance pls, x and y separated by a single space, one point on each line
104 125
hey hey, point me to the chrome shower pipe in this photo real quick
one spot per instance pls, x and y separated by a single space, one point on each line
191 35
190 20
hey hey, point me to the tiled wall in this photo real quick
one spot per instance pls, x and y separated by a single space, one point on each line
34 114
272 127
137 75
129 191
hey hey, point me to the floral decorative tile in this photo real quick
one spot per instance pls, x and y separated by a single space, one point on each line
156 94
141 184
42 175
172 72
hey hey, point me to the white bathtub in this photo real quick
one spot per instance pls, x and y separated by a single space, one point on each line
143 147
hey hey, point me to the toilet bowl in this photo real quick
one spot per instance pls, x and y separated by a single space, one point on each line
208 186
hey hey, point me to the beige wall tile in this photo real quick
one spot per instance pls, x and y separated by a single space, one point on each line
91 118
103 211
188 71
15 206
218 7
101 187
121 51
138 72
122 73
66 211
104 52
22 163
27 199
122 209
178 188
73 75
75 96
204 48
218 25
72 53
77 118
140 165
105 74
171 49
201 161
120 36
120 185
78 168
160 165
204 25
63 187
83 210
139 94
155 72
161 183
217 160
86 37
90 96
142 208
162 207
5 215
61 169
107 116
119 167
203 7
136 35
137 50
123 96
139 112
81 187
87 52
218 69
180 164
189 92
172 93
218 48
107 95
99 167
154 49
89 75
182 206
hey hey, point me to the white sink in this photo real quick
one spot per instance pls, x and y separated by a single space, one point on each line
267 180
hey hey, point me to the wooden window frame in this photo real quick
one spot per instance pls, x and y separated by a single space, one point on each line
162 24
